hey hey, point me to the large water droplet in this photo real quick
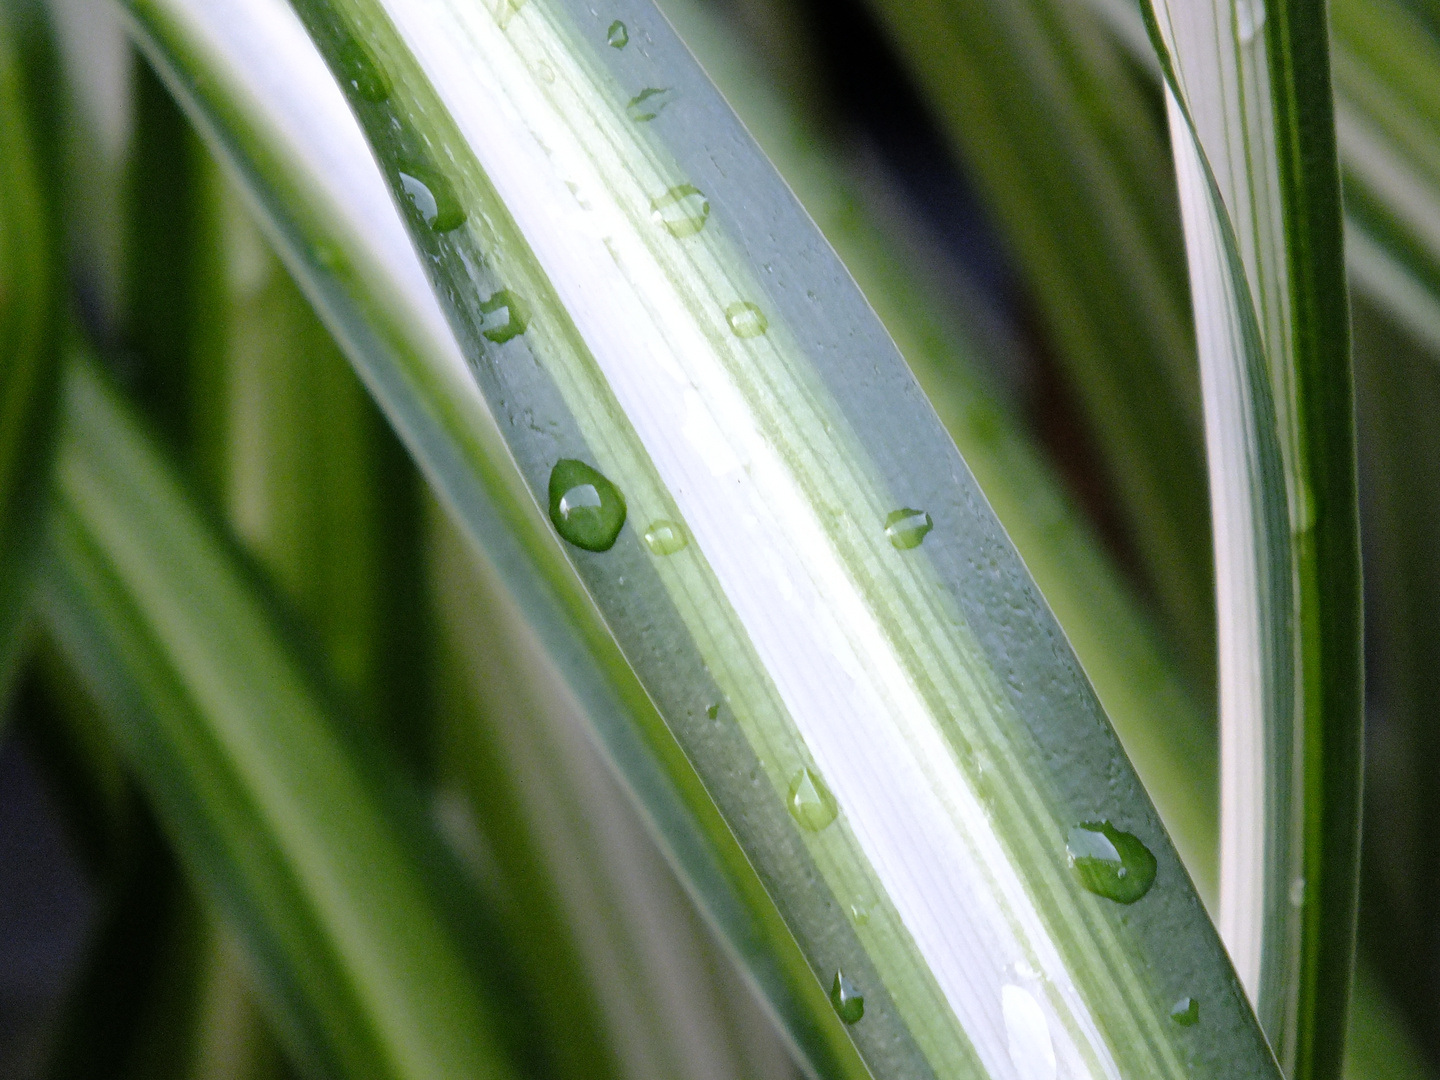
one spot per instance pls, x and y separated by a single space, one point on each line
906 528
617 37
649 103
431 196
1032 1051
746 320
364 74
1110 863
503 316
848 1001
811 803
1249 19
1186 1012
585 507
683 210
665 537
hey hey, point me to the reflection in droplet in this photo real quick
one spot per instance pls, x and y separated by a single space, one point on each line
362 72
811 803
503 316
1110 863
683 210
848 1001
617 37
665 537
746 319
649 103
1186 1012
1032 1051
1249 19
906 528
585 507
431 196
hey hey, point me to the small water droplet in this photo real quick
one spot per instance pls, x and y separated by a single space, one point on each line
431 196
544 72
1110 863
1032 1051
683 210
503 316
713 711
746 320
848 1001
1297 892
1249 19
617 37
505 11
860 912
1185 1012
585 507
665 537
364 74
811 803
649 103
906 528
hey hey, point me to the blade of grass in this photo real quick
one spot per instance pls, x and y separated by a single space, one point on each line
294 832
1250 105
785 518
30 298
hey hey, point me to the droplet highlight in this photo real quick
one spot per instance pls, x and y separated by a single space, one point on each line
585 507
1185 1012
432 198
860 912
363 72
848 1001
1110 863
649 103
1032 1051
683 210
665 537
810 801
617 37
746 319
503 316
907 528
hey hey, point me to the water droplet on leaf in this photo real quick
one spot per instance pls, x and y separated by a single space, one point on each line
431 196
906 528
811 803
361 70
617 37
683 210
665 537
505 11
848 1001
503 316
1110 863
585 507
1032 1051
1185 1012
713 711
649 103
860 912
746 320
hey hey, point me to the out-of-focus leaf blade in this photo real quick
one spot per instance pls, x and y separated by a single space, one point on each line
293 831
1249 97
30 290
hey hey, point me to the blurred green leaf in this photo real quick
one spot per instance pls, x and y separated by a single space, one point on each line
301 837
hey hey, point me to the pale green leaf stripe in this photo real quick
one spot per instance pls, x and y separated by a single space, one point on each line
828 648
293 833
1253 139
